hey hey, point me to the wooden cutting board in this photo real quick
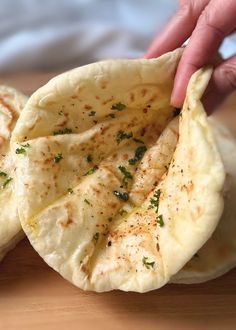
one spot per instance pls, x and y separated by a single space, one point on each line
33 296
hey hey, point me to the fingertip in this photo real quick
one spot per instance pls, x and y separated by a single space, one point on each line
177 97
176 103
182 77
147 55
153 52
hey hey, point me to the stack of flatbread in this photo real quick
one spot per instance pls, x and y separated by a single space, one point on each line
114 188
11 104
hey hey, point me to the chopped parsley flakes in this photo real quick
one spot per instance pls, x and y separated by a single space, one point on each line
154 204
22 149
109 219
154 201
127 175
3 174
63 131
121 195
7 180
121 135
118 106
148 264
140 151
58 158
91 171
70 191
27 145
92 113
5 183
160 220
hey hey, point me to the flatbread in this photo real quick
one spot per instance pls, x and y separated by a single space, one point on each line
90 133
11 103
218 255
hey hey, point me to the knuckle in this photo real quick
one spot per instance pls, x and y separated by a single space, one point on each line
207 21
182 2
185 10
196 6
228 72
191 9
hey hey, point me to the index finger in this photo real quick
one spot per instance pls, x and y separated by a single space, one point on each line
178 30
211 29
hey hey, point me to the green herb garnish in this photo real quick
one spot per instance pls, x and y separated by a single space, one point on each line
118 106
63 131
160 220
5 183
92 113
154 204
3 174
91 171
87 202
148 264
127 175
20 151
154 201
121 195
27 145
121 135
89 158
140 151
58 158
96 237
70 191
109 219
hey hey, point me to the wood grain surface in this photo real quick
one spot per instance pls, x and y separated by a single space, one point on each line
33 296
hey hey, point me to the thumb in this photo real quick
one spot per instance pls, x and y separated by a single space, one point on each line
222 83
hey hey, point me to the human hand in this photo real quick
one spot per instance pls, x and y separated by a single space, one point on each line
208 22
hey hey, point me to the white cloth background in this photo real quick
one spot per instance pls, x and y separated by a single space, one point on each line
57 34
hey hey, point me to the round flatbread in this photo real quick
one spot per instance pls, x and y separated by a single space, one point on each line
218 255
94 147
11 103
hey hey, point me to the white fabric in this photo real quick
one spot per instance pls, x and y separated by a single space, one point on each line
57 34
